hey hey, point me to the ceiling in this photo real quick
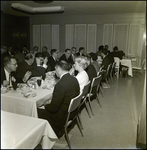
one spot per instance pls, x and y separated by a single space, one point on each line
81 7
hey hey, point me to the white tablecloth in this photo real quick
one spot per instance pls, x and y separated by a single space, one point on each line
125 62
128 63
15 102
23 132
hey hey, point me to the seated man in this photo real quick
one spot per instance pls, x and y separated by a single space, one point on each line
40 65
8 76
81 52
25 69
65 89
67 57
94 61
53 59
90 69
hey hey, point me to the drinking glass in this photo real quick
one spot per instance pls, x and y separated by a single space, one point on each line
39 80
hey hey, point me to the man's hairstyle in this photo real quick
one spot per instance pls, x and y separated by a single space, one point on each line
39 54
73 47
115 48
7 60
101 47
93 56
28 56
104 51
63 65
67 49
53 51
44 47
81 48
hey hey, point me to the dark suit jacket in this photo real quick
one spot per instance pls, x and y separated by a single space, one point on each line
56 112
118 54
22 68
78 54
91 72
69 60
37 70
51 63
3 76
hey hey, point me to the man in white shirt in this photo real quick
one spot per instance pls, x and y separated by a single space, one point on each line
8 71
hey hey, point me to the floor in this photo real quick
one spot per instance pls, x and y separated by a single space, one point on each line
113 126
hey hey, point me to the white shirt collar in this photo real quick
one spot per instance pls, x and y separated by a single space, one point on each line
63 74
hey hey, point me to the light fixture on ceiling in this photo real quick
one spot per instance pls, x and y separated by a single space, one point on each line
29 9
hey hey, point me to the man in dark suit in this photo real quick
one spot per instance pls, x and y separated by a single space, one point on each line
66 89
67 57
81 52
53 59
24 69
8 71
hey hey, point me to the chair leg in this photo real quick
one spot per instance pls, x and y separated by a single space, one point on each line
87 109
98 100
67 138
79 126
90 105
79 116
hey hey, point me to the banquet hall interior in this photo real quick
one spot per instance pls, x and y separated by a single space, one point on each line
120 122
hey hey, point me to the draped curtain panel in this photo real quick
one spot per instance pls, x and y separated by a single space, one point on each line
46 36
120 36
36 36
108 35
55 37
91 38
135 39
99 36
80 36
69 36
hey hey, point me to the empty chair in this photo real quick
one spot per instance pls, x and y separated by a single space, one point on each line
141 69
94 90
72 115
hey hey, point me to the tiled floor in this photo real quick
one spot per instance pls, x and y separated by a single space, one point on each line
115 124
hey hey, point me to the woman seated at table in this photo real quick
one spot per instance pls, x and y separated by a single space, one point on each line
82 76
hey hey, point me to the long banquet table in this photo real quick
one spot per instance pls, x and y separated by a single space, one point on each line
15 102
23 132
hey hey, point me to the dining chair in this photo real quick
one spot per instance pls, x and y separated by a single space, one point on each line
112 71
117 66
94 91
100 86
108 73
73 109
140 69
83 101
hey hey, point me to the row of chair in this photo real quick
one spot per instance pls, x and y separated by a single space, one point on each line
92 88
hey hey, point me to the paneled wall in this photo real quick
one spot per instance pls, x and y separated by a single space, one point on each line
91 31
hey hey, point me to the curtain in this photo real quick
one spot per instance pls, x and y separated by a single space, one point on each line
120 37
91 38
108 35
99 36
36 35
55 37
46 36
69 36
80 36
